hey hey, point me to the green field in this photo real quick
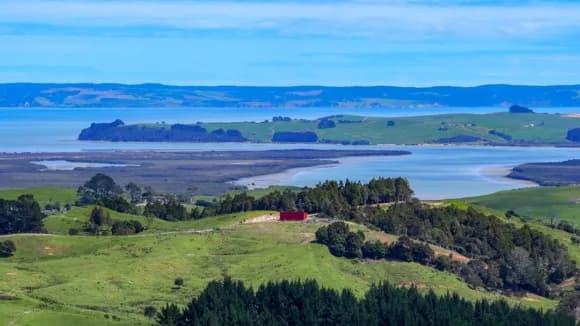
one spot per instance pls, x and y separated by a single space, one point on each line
540 129
543 203
44 196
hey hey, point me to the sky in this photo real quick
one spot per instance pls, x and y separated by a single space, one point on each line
301 42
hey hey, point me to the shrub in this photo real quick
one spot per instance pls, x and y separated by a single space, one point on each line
150 311
74 231
127 227
178 281
7 248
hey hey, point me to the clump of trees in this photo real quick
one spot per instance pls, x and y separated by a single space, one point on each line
573 135
169 210
307 303
22 215
101 223
294 137
102 190
7 248
126 227
340 240
281 119
343 243
326 124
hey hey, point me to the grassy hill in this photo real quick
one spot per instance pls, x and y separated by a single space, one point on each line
47 195
540 203
63 280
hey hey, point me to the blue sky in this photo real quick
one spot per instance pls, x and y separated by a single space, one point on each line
341 42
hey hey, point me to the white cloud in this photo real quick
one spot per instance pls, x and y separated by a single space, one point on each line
390 19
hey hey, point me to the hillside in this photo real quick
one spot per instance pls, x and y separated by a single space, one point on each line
516 129
542 203
71 279
156 95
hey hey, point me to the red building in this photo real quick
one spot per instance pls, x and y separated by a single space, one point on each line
293 216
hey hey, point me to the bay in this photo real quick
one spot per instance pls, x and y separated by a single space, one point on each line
434 171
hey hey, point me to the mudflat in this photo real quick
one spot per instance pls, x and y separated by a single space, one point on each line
209 173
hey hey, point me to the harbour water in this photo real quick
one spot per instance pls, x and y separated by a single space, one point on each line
434 171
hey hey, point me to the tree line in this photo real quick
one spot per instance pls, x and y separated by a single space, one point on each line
297 303
329 198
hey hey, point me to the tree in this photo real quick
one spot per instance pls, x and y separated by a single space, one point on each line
375 250
353 245
99 220
149 312
169 315
135 192
100 186
7 248
20 215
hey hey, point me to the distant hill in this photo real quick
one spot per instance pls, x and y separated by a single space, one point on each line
157 95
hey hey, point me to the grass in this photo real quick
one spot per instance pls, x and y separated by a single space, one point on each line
46 195
542 203
62 280
78 216
539 129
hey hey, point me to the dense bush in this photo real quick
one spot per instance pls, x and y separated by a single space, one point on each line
573 135
295 137
20 216
169 210
7 248
118 131
306 303
342 242
326 124
126 227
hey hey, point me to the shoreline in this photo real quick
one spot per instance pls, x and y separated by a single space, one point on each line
291 147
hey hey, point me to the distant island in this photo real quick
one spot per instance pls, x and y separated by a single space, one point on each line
508 129
157 95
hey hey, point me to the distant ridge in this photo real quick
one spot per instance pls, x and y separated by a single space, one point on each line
157 95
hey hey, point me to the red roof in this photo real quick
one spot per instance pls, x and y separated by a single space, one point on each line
293 216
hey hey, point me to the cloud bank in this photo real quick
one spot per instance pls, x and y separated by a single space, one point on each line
385 19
